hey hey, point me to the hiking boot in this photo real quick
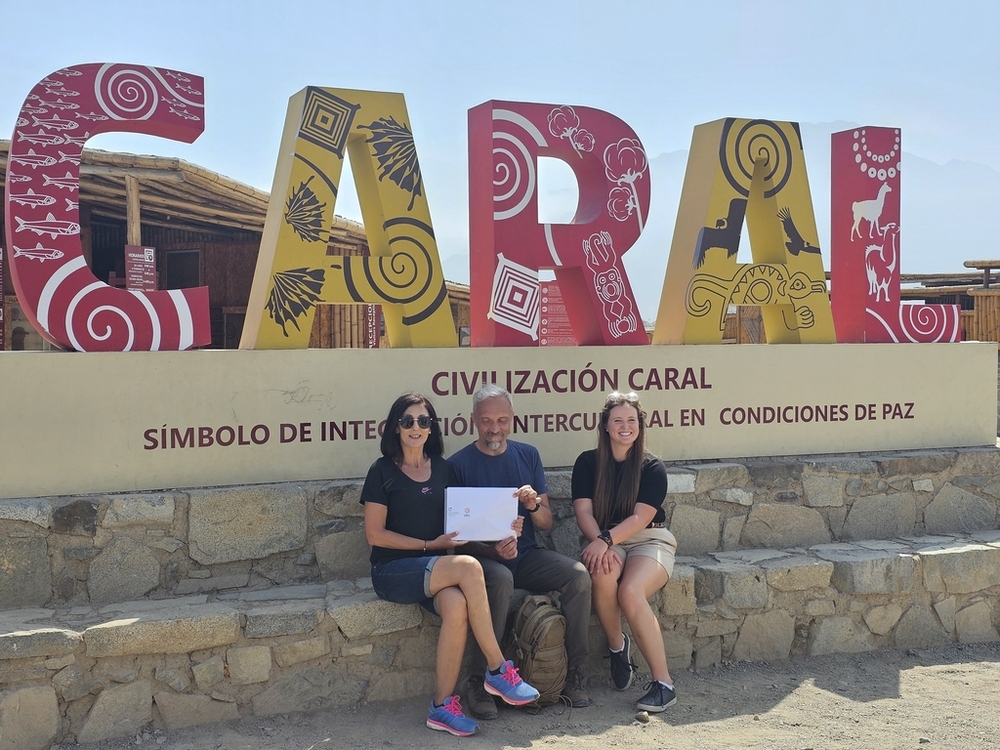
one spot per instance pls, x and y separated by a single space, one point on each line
481 703
574 689
658 696
622 668
509 686
448 717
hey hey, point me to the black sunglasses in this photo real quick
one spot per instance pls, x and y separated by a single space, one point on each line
424 421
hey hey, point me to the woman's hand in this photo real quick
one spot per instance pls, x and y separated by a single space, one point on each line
600 558
445 541
517 526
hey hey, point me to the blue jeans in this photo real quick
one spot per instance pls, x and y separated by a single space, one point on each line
405 580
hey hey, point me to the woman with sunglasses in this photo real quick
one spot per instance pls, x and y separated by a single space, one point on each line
618 493
413 562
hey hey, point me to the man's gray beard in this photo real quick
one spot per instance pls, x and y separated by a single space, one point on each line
494 445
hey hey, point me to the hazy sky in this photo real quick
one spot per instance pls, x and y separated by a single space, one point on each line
931 69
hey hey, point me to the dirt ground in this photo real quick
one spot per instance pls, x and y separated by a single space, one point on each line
929 698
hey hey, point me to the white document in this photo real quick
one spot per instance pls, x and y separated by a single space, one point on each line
480 514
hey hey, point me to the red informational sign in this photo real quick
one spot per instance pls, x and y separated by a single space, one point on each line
554 327
865 246
140 268
508 244
59 293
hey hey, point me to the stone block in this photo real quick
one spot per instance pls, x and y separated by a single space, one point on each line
73 683
946 613
76 516
249 665
798 573
288 654
710 476
838 635
209 672
863 571
58 662
923 485
310 690
174 678
823 492
29 718
180 631
80 553
25 579
340 499
708 655
245 523
419 652
677 597
733 495
953 509
680 483
820 608
343 554
740 586
732 529
23 644
983 462
779 526
714 628
975 624
125 570
917 463
679 649
288 618
365 615
960 568
918 628
282 593
360 650
181 711
766 636
139 510
400 685
119 712
211 583
34 510
697 530
881 516
776 475
167 544
838 465
881 620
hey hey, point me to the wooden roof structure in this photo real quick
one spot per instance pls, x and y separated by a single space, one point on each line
176 194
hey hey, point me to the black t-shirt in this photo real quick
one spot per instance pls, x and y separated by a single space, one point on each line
652 484
415 509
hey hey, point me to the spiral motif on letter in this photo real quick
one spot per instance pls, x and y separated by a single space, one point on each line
513 176
742 146
126 93
928 323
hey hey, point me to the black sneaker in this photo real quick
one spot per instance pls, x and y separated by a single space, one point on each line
574 690
658 696
622 668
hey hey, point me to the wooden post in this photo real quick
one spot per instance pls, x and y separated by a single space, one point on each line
133 227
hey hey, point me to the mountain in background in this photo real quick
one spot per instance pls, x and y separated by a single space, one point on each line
948 214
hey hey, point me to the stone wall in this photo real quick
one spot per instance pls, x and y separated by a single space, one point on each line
65 551
88 673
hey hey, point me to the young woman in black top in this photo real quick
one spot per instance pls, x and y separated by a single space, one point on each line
411 562
618 494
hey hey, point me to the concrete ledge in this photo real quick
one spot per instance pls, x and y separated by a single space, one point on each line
108 672
112 548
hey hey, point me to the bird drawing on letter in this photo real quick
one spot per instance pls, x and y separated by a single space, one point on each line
795 242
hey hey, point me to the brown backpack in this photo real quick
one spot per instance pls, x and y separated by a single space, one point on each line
536 643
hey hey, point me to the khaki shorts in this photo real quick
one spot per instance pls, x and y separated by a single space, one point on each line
658 544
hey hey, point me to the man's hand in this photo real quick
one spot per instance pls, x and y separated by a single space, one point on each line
506 549
527 496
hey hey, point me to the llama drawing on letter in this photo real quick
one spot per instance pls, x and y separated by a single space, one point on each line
870 211
879 268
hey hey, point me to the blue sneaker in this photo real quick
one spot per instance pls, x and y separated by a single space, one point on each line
509 686
449 718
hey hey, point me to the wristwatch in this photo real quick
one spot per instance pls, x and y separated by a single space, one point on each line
605 536
535 509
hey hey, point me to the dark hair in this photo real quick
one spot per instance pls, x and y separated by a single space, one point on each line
391 447
607 497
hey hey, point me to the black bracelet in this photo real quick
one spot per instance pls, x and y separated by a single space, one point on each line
605 536
535 509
